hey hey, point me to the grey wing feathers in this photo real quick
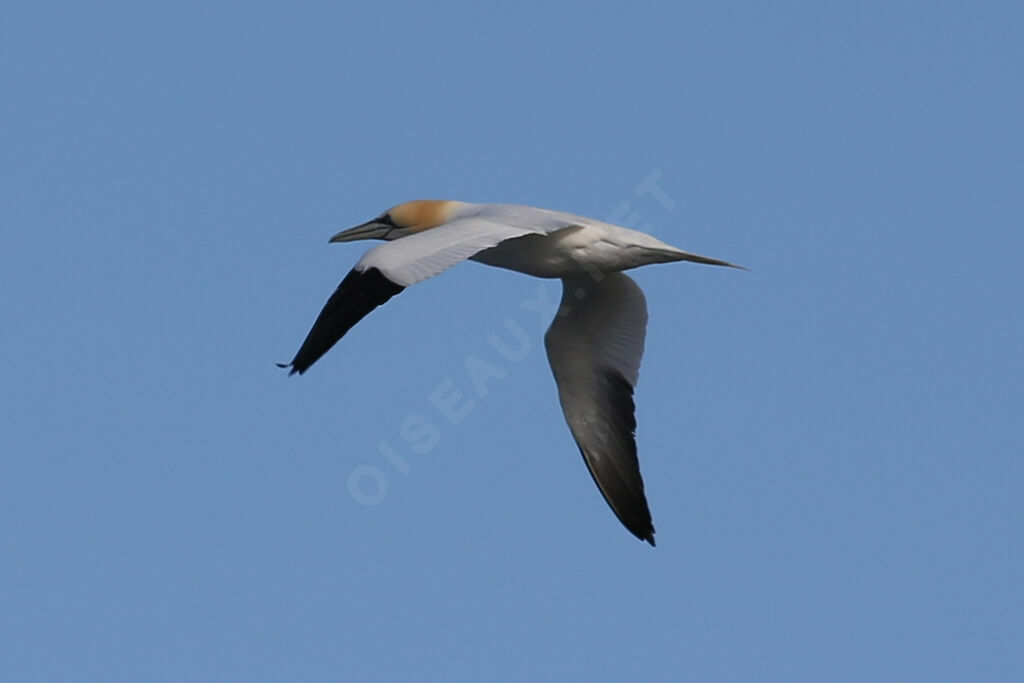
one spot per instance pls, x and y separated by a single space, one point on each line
595 345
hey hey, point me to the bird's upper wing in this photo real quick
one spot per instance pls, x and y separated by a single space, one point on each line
423 255
387 269
594 346
359 293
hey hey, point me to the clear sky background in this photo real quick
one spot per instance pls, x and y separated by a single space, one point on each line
832 442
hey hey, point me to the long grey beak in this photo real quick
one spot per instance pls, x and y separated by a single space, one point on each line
371 230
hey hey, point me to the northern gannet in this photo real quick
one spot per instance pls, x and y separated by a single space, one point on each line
594 344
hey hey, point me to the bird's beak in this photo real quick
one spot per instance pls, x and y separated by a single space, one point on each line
371 230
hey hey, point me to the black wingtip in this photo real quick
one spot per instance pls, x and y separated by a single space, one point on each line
285 366
650 539
359 293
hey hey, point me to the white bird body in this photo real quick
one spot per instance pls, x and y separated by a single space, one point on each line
570 251
595 343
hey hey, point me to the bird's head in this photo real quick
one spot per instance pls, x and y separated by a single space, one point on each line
399 221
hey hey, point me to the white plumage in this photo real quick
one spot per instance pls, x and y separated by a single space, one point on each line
595 343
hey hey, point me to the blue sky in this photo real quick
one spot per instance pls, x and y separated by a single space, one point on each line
831 442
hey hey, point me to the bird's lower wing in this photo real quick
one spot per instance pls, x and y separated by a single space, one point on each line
387 269
594 346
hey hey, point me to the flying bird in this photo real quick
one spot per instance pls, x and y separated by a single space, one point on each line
594 344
